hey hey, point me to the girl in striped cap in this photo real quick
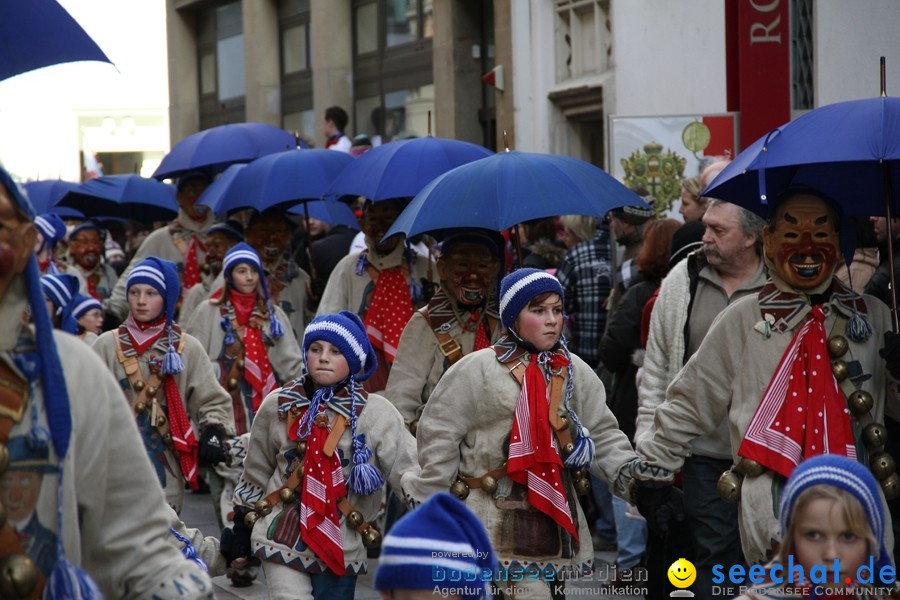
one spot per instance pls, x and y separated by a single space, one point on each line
168 380
88 312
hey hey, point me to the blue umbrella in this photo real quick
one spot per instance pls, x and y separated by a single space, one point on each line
332 212
39 33
125 197
45 194
214 149
512 187
277 180
401 169
213 196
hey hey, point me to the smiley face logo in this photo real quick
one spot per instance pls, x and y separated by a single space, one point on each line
682 573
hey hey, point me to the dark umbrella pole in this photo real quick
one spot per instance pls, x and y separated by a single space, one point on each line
886 180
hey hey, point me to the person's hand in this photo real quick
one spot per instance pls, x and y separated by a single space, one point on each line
234 542
211 450
890 352
661 505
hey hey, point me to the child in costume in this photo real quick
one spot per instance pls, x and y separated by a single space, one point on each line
832 513
60 291
312 476
88 313
513 428
149 355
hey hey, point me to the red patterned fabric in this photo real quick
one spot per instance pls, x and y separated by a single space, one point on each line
183 438
323 485
144 335
257 368
481 337
91 281
389 312
803 412
534 459
191 263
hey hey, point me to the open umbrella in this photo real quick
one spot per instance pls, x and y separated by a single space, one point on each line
214 149
124 197
39 33
332 212
512 187
278 180
214 195
401 169
45 194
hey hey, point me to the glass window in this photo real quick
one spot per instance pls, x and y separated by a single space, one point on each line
303 122
294 45
366 28
231 67
427 19
368 119
406 112
208 74
401 20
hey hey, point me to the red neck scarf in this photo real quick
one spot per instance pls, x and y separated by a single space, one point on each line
803 412
534 459
481 336
144 335
323 486
257 367
389 312
183 438
191 276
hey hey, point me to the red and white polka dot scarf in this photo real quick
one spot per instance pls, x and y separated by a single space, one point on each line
389 312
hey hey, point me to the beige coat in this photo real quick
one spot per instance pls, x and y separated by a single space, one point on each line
465 429
727 377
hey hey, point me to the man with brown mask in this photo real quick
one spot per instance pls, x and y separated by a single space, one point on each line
269 233
382 284
805 351
219 239
85 257
460 318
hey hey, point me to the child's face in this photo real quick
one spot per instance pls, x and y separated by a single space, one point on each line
92 321
144 302
541 324
327 365
822 534
245 278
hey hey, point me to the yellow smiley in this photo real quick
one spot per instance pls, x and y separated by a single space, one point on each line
682 573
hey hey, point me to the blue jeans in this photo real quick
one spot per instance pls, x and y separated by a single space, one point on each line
328 586
630 534
606 521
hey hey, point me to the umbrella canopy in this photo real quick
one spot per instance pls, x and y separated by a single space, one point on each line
512 187
214 195
124 197
45 194
841 150
214 149
401 169
277 180
332 212
39 33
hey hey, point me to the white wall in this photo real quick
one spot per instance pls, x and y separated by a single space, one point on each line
849 38
39 132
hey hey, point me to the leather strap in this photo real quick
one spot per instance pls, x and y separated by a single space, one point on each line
475 482
559 424
447 344
133 372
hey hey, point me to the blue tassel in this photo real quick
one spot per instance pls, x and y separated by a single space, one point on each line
859 329
361 263
69 582
275 328
415 289
188 549
173 363
583 455
365 478
229 333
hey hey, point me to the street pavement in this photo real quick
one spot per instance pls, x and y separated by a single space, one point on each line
198 512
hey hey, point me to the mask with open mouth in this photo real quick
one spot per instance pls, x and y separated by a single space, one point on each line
468 272
803 243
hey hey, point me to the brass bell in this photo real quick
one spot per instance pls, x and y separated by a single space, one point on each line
140 407
579 474
860 402
837 346
489 484
18 576
250 519
750 468
874 435
729 486
167 437
232 384
882 465
263 507
2 514
371 538
240 363
582 486
138 386
890 485
151 391
354 519
568 449
301 470
160 420
840 370
460 489
4 458
414 426
286 494
301 447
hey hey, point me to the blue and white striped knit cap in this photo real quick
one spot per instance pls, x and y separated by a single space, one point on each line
847 474
346 331
519 287
51 227
61 290
87 226
162 275
82 305
441 536
243 253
